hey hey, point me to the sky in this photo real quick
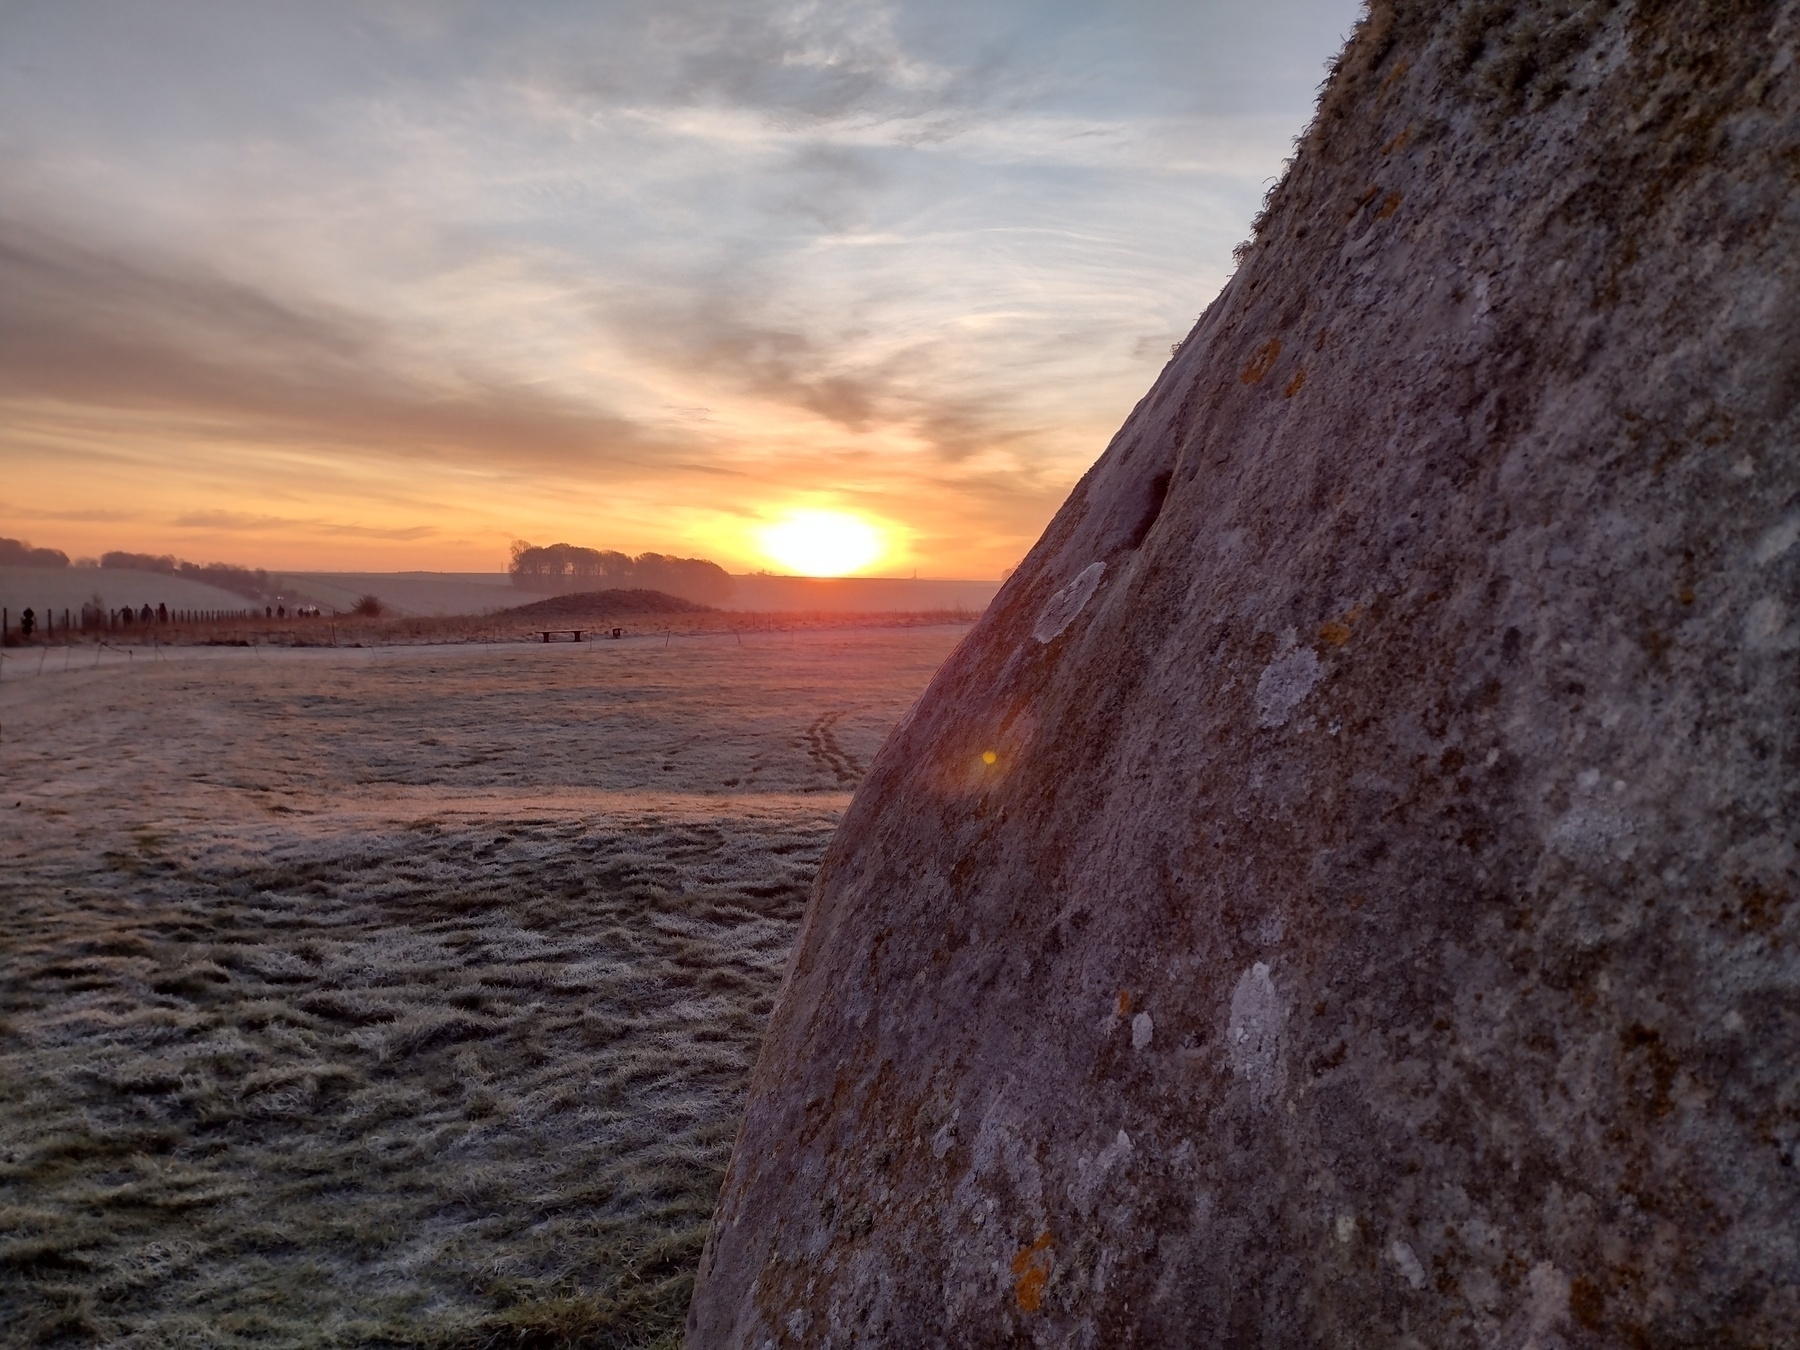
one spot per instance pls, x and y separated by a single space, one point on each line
388 286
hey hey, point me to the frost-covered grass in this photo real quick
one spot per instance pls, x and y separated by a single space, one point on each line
405 1001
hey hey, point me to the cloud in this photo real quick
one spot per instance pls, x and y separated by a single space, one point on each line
87 328
800 64
726 338
94 516
244 522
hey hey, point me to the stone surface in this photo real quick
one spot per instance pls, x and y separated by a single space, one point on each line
1377 922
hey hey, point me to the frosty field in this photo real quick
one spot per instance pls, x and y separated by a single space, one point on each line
400 996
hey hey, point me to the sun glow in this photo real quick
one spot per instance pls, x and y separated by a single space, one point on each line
822 543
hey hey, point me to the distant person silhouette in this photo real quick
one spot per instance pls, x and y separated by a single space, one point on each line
27 622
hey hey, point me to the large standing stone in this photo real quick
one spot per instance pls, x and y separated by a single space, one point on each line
1377 924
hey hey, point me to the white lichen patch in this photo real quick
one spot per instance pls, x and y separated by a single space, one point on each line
1142 1029
1778 540
1766 627
1254 1035
1285 682
1546 1303
1092 1174
1406 1261
1592 836
1060 611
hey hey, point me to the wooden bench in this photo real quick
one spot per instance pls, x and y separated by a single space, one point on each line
556 632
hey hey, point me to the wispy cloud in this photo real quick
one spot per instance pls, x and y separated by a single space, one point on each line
239 522
85 328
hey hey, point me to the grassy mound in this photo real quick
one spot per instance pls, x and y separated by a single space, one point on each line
604 604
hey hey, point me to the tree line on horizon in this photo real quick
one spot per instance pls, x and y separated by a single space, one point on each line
20 553
554 568
562 568
252 583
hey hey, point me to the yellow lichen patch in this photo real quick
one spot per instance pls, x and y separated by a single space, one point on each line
1262 360
1124 1008
1337 632
1389 206
1294 385
1031 1272
1369 194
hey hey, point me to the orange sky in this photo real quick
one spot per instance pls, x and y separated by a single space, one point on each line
358 288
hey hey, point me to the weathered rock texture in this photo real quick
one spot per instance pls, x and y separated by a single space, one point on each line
1377 924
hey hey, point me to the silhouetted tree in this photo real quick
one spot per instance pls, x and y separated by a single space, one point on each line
253 584
20 553
569 567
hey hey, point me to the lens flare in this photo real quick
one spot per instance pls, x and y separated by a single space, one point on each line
822 543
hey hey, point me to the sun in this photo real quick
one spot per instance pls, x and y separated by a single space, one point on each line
822 543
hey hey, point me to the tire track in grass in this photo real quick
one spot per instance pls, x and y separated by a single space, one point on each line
824 749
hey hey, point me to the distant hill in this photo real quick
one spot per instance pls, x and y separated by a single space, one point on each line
603 604
411 593
60 588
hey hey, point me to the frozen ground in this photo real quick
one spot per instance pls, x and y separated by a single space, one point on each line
404 995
